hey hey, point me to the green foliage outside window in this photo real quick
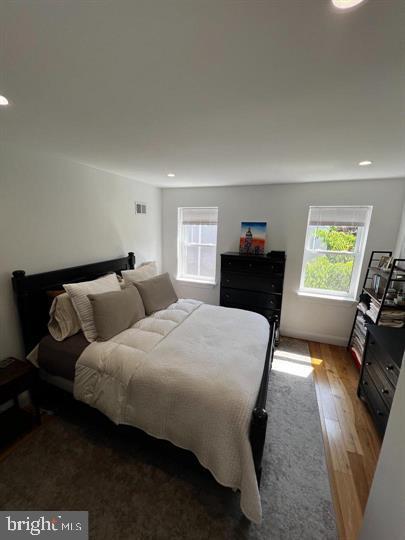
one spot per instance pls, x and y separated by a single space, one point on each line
332 271
336 240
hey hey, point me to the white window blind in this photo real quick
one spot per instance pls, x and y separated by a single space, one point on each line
334 249
197 244
339 215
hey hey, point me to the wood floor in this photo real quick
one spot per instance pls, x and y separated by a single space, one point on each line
352 444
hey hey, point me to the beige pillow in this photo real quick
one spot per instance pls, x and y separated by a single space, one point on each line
116 311
157 293
146 271
63 321
78 293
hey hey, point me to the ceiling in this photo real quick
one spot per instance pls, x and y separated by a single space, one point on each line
220 92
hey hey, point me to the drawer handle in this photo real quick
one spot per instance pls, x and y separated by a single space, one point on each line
365 383
384 391
227 296
389 368
369 363
380 413
227 281
250 265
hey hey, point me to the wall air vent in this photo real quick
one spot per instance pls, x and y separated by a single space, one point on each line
140 208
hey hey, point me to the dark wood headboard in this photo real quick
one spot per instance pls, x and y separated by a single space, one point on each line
33 302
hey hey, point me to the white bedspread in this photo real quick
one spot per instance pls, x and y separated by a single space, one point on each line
189 374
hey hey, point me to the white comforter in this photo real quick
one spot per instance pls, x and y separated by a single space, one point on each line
189 374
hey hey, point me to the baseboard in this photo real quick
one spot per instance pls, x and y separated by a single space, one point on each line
321 338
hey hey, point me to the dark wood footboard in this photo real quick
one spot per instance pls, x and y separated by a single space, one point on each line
258 423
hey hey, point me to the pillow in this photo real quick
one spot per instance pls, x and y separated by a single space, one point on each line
116 311
63 320
146 271
157 293
78 294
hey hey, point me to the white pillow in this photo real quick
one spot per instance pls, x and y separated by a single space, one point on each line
146 271
78 294
63 320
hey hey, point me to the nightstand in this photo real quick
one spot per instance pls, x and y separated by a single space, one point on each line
16 378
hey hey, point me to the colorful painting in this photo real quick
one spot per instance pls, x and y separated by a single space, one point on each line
253 237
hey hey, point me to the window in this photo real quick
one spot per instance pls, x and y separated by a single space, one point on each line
334 249
197 244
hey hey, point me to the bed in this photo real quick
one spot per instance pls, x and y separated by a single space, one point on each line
193 374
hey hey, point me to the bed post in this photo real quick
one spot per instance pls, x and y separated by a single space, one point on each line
258 423
18 274
18 279
131 260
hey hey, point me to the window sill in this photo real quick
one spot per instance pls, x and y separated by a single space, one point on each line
327 297
197 283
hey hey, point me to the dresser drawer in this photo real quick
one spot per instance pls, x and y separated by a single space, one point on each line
239 280
375 354
249 299
384 388
377 406
260 266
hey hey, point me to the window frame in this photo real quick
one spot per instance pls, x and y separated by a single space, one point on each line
358 257
182 245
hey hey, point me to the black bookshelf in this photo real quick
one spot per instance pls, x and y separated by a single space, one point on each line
376 303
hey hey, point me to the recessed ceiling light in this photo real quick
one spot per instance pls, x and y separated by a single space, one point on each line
171 175
365 163
346 4
3 101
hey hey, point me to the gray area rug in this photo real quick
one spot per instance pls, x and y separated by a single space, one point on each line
136 487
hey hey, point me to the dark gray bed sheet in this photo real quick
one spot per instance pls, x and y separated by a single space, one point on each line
60 357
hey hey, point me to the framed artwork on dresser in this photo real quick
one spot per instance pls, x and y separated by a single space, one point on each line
252 237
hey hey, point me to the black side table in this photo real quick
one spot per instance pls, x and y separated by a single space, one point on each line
16 378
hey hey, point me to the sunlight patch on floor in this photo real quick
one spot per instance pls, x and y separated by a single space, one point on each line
287 355
292 363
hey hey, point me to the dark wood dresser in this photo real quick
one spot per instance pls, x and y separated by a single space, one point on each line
254 283
380 369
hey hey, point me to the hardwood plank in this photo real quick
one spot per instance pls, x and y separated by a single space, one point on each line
317 361
344 404
347 425
351 442
328 404
350 505
336 440
332 482
362 482
371 452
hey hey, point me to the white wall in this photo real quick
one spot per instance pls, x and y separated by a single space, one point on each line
55 214
399 251
285 208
